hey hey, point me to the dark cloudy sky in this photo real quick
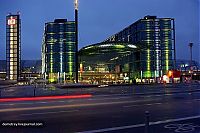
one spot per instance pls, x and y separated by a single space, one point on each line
99 19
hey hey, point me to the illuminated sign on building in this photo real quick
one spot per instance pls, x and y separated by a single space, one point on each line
13 46
11 21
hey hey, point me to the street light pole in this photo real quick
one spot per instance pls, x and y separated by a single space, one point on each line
190 45
76 34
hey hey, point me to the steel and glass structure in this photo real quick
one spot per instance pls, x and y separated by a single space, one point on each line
109 62
156 38
59 51
13 46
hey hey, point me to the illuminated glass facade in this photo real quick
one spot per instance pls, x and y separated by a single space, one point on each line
58 51
13 46
156 38
112 62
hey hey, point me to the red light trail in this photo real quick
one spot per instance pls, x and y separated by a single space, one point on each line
44 98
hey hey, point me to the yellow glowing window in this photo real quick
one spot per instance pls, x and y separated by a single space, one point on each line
11 76
11 55
11 69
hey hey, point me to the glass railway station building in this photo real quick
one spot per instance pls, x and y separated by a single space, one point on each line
109 62
142 52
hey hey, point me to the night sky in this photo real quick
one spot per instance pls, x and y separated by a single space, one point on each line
98 19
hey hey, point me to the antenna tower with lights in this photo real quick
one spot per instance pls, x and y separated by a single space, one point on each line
76 34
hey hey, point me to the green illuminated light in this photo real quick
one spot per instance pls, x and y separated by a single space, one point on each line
147 74
51 80
54 71
119 46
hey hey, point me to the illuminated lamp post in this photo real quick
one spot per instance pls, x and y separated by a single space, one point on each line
190 45
76 43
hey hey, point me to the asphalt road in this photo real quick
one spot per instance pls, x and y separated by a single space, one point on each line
28 91
116 112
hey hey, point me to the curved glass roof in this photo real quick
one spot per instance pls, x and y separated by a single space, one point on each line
104 47
106 51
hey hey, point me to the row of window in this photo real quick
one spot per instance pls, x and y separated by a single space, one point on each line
12 30
60 28
58 50
12 59
64 59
